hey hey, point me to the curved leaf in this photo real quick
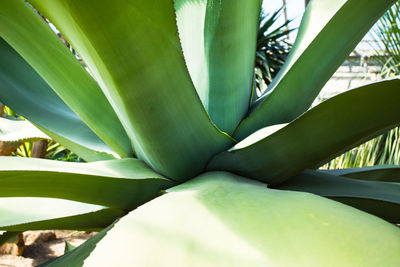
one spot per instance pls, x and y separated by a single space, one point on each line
123 184
220 219
41 48
145 80
19 131
78 255
324 41
384 173
317 136
219 42
21 214
379 198
22 89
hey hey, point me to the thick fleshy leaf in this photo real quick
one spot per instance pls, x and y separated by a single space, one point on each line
220 219
379 198
384 173
324 40
21 214
124 183
29 35
76 257
19 131
219 42
145 80
22 89
275 153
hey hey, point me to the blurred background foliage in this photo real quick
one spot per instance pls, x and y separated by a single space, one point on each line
273 48
48 149
385 149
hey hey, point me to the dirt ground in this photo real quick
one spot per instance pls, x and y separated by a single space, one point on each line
39 247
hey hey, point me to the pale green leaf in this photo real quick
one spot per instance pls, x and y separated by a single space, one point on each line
220 219
384 173
76 257
276 153
145 80
22 89
21 214
329 31
124 183
29 35
219 42
379 198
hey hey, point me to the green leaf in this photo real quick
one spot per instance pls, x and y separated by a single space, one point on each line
22 89
19 131
21 214
145 80
275 153
219 42
124 183
68 247
220 219
29 35
379 198
384 173
324 40
76 257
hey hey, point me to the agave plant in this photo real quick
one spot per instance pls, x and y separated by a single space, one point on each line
186 167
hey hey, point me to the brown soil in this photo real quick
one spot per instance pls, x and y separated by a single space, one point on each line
39 247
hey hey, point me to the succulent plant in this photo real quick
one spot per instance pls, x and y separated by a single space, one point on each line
185 165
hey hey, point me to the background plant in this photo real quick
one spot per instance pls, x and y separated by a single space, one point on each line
23 142
272 48
383 150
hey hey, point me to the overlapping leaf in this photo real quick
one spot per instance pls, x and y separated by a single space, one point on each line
145 80
328 33
122 184
329 129
21 214
220 219
219 42
79 254
41 48
384 173
27 93
379 198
